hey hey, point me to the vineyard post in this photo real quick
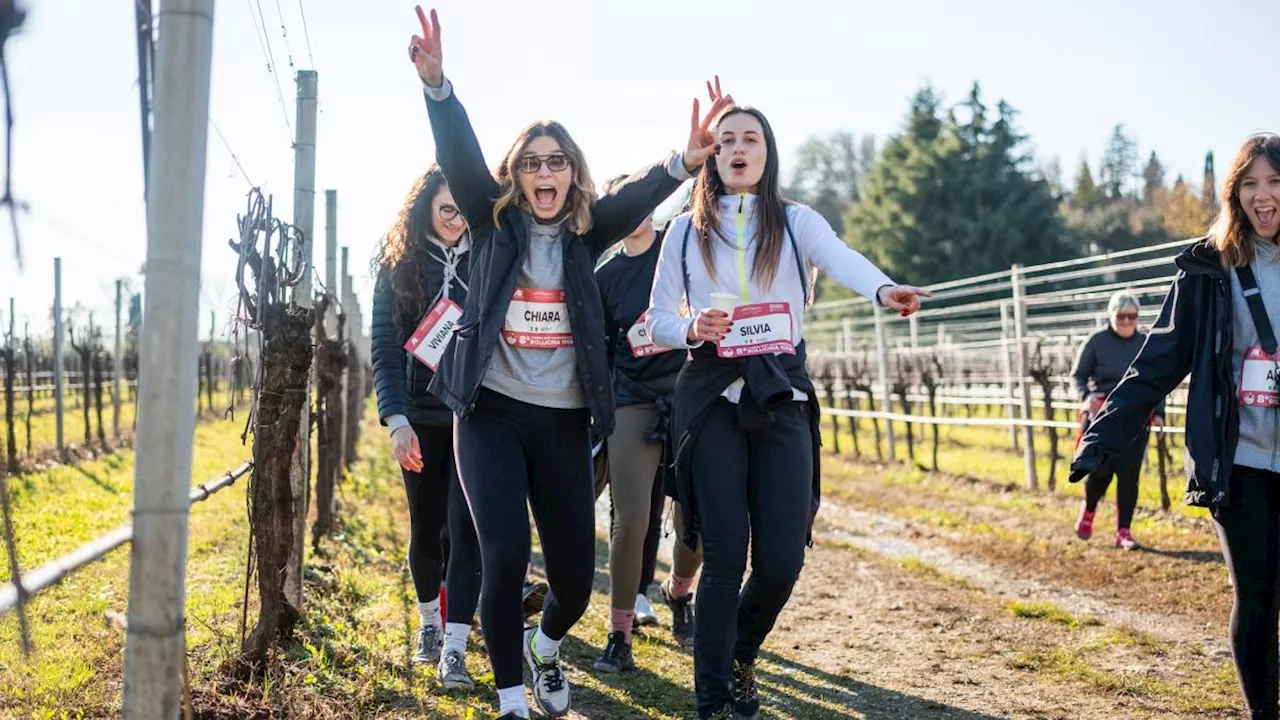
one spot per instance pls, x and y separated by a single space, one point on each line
304 206
57 354
882 362
117 367
154 651
1020 335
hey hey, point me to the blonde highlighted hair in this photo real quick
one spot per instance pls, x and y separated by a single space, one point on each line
1231 228
582 194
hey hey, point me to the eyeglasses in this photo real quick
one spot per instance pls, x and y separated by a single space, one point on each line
447 212
1131 317
530 164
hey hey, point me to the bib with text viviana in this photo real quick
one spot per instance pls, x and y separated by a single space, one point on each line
432 337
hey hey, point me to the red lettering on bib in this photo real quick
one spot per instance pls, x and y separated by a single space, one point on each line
759 329
537 318
1258 379
638 339
434 333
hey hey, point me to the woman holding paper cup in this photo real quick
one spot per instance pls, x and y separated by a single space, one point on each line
422 271
745 419
527 373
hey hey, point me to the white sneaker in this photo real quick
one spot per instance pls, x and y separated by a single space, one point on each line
644 613
550 689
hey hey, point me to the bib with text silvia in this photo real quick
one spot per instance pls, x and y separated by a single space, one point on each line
759 329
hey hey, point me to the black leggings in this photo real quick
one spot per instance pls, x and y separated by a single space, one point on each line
749 485
649 564
512 455
1126 469
440 527
1250 535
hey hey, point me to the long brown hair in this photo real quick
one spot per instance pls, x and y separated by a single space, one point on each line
1231 228
770 205
582 193
401 249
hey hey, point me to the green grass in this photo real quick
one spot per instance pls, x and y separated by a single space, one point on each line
1052 613
78 654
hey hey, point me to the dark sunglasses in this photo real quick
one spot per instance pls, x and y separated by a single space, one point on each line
531 163
447 212
1131 317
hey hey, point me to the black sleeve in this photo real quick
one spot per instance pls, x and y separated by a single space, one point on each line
619 212
1086 362
459 155
1163 363
387 353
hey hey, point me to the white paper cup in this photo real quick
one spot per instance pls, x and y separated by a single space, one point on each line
724 302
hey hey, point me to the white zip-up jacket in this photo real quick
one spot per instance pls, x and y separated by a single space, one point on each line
818 245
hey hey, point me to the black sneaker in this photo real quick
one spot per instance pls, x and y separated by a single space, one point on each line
533 596
724 713
616 656
683 624
746 700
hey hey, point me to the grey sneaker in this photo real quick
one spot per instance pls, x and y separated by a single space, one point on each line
550 689
429 642
616 656
453 672
644 613
746 699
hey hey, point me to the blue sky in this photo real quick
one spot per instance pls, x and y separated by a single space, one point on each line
1180 75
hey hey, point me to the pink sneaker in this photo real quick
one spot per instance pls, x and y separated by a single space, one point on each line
1084 525
1125 540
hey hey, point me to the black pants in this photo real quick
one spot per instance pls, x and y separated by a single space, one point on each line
1126 469
648 566
750 485
440 527
512 455
1250 535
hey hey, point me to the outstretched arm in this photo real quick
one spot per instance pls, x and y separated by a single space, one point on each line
457 149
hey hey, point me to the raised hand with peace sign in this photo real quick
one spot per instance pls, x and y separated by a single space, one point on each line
425 51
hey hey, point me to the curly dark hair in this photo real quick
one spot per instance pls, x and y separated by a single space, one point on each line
400 251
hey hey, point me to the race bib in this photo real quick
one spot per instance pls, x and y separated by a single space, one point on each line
432 337
638 339
537 319
759 329
1258 379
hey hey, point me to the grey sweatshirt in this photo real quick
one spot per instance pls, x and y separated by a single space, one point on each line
1259 426
539 376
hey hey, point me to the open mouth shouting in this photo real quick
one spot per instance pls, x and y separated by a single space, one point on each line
545 196
738 166
1266 215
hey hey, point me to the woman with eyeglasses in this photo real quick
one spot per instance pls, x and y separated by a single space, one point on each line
422 272
1101 364
527 373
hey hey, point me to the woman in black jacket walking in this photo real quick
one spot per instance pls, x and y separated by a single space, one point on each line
422 270
527 372
1219 324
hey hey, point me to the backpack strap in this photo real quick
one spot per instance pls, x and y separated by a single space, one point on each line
1253 298
795 249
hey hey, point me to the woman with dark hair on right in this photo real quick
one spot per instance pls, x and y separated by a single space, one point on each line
1219 325
744 416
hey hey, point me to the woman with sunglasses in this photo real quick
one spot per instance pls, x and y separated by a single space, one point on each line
422 271
1101 364
527 372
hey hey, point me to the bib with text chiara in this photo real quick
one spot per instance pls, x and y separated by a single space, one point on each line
537 318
